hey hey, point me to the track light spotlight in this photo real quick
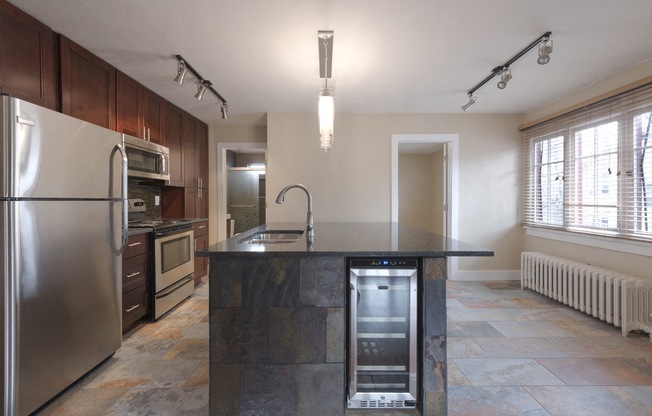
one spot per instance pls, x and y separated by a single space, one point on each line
470 103
504 78
181 72
204 85
545 49
201 90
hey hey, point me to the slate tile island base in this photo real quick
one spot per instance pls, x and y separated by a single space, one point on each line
278 323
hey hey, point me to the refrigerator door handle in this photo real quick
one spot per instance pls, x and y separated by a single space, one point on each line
124 197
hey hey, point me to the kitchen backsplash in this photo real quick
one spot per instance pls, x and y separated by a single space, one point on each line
147 194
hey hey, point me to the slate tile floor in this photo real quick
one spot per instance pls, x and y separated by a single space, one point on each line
161 370
514 352
510 352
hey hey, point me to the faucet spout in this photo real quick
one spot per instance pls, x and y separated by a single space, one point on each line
310 226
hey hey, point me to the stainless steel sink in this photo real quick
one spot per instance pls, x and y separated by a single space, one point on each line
272 237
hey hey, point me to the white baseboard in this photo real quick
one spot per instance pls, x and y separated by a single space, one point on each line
484 275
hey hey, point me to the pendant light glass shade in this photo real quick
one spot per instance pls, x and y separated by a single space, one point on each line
326 118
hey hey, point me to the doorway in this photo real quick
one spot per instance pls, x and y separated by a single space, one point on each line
448 144
254 153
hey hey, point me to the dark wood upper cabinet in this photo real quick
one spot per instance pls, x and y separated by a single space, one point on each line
201 154
129 108
174 141
155 117
140 112
27 58
188 126
88 85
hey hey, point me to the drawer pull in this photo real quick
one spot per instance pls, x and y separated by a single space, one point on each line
135 244
202 226
132 308
129 276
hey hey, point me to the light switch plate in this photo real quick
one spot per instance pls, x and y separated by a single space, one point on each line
157 200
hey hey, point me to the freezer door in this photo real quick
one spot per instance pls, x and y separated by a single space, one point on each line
46 154
67 293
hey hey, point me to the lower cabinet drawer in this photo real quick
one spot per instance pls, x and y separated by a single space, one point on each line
134 305
135 272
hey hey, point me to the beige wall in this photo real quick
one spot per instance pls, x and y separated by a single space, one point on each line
421 191
352 183
636 264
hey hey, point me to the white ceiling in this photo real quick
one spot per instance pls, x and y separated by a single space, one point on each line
419 56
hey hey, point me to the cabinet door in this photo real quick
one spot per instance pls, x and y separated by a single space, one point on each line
201 263
174 141
154 117
189 202
201 203
87 85
201 154
27 58
129 106
189 173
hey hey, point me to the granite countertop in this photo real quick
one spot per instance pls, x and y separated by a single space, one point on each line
345 238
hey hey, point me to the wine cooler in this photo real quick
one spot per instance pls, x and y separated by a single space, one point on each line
382 367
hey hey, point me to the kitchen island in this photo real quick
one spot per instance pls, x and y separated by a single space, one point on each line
278 316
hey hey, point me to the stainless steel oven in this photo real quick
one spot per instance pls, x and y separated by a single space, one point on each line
382 335
174 265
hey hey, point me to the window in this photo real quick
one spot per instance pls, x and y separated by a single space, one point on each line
590 171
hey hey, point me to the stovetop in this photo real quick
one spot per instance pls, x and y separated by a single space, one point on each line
137 218
161 224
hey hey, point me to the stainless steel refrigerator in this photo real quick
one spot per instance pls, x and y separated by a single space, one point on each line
62 203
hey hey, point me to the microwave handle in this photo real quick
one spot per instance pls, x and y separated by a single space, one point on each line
161 167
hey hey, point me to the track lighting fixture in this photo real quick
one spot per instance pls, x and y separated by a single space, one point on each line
201 90
545 49
181 72
203 84
504 78
326 101
470 103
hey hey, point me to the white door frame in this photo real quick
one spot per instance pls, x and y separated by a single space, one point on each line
451 194
221 179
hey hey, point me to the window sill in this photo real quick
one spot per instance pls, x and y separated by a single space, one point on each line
640 248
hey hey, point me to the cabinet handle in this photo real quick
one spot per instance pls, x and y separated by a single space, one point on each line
132 308
144 134
135 244
129 276
149 135
201 226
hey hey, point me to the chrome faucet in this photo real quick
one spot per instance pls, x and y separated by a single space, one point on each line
310 228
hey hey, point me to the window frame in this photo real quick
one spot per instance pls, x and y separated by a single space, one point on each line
630 210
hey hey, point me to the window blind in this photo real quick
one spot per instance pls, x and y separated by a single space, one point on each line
590 171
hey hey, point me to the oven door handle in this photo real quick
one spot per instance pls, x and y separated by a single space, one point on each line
173 231
170 290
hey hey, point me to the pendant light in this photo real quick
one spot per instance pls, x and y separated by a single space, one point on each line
326 109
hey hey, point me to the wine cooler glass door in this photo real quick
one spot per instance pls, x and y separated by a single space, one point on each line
382 339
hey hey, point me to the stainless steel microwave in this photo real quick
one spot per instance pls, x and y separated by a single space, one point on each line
147 160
